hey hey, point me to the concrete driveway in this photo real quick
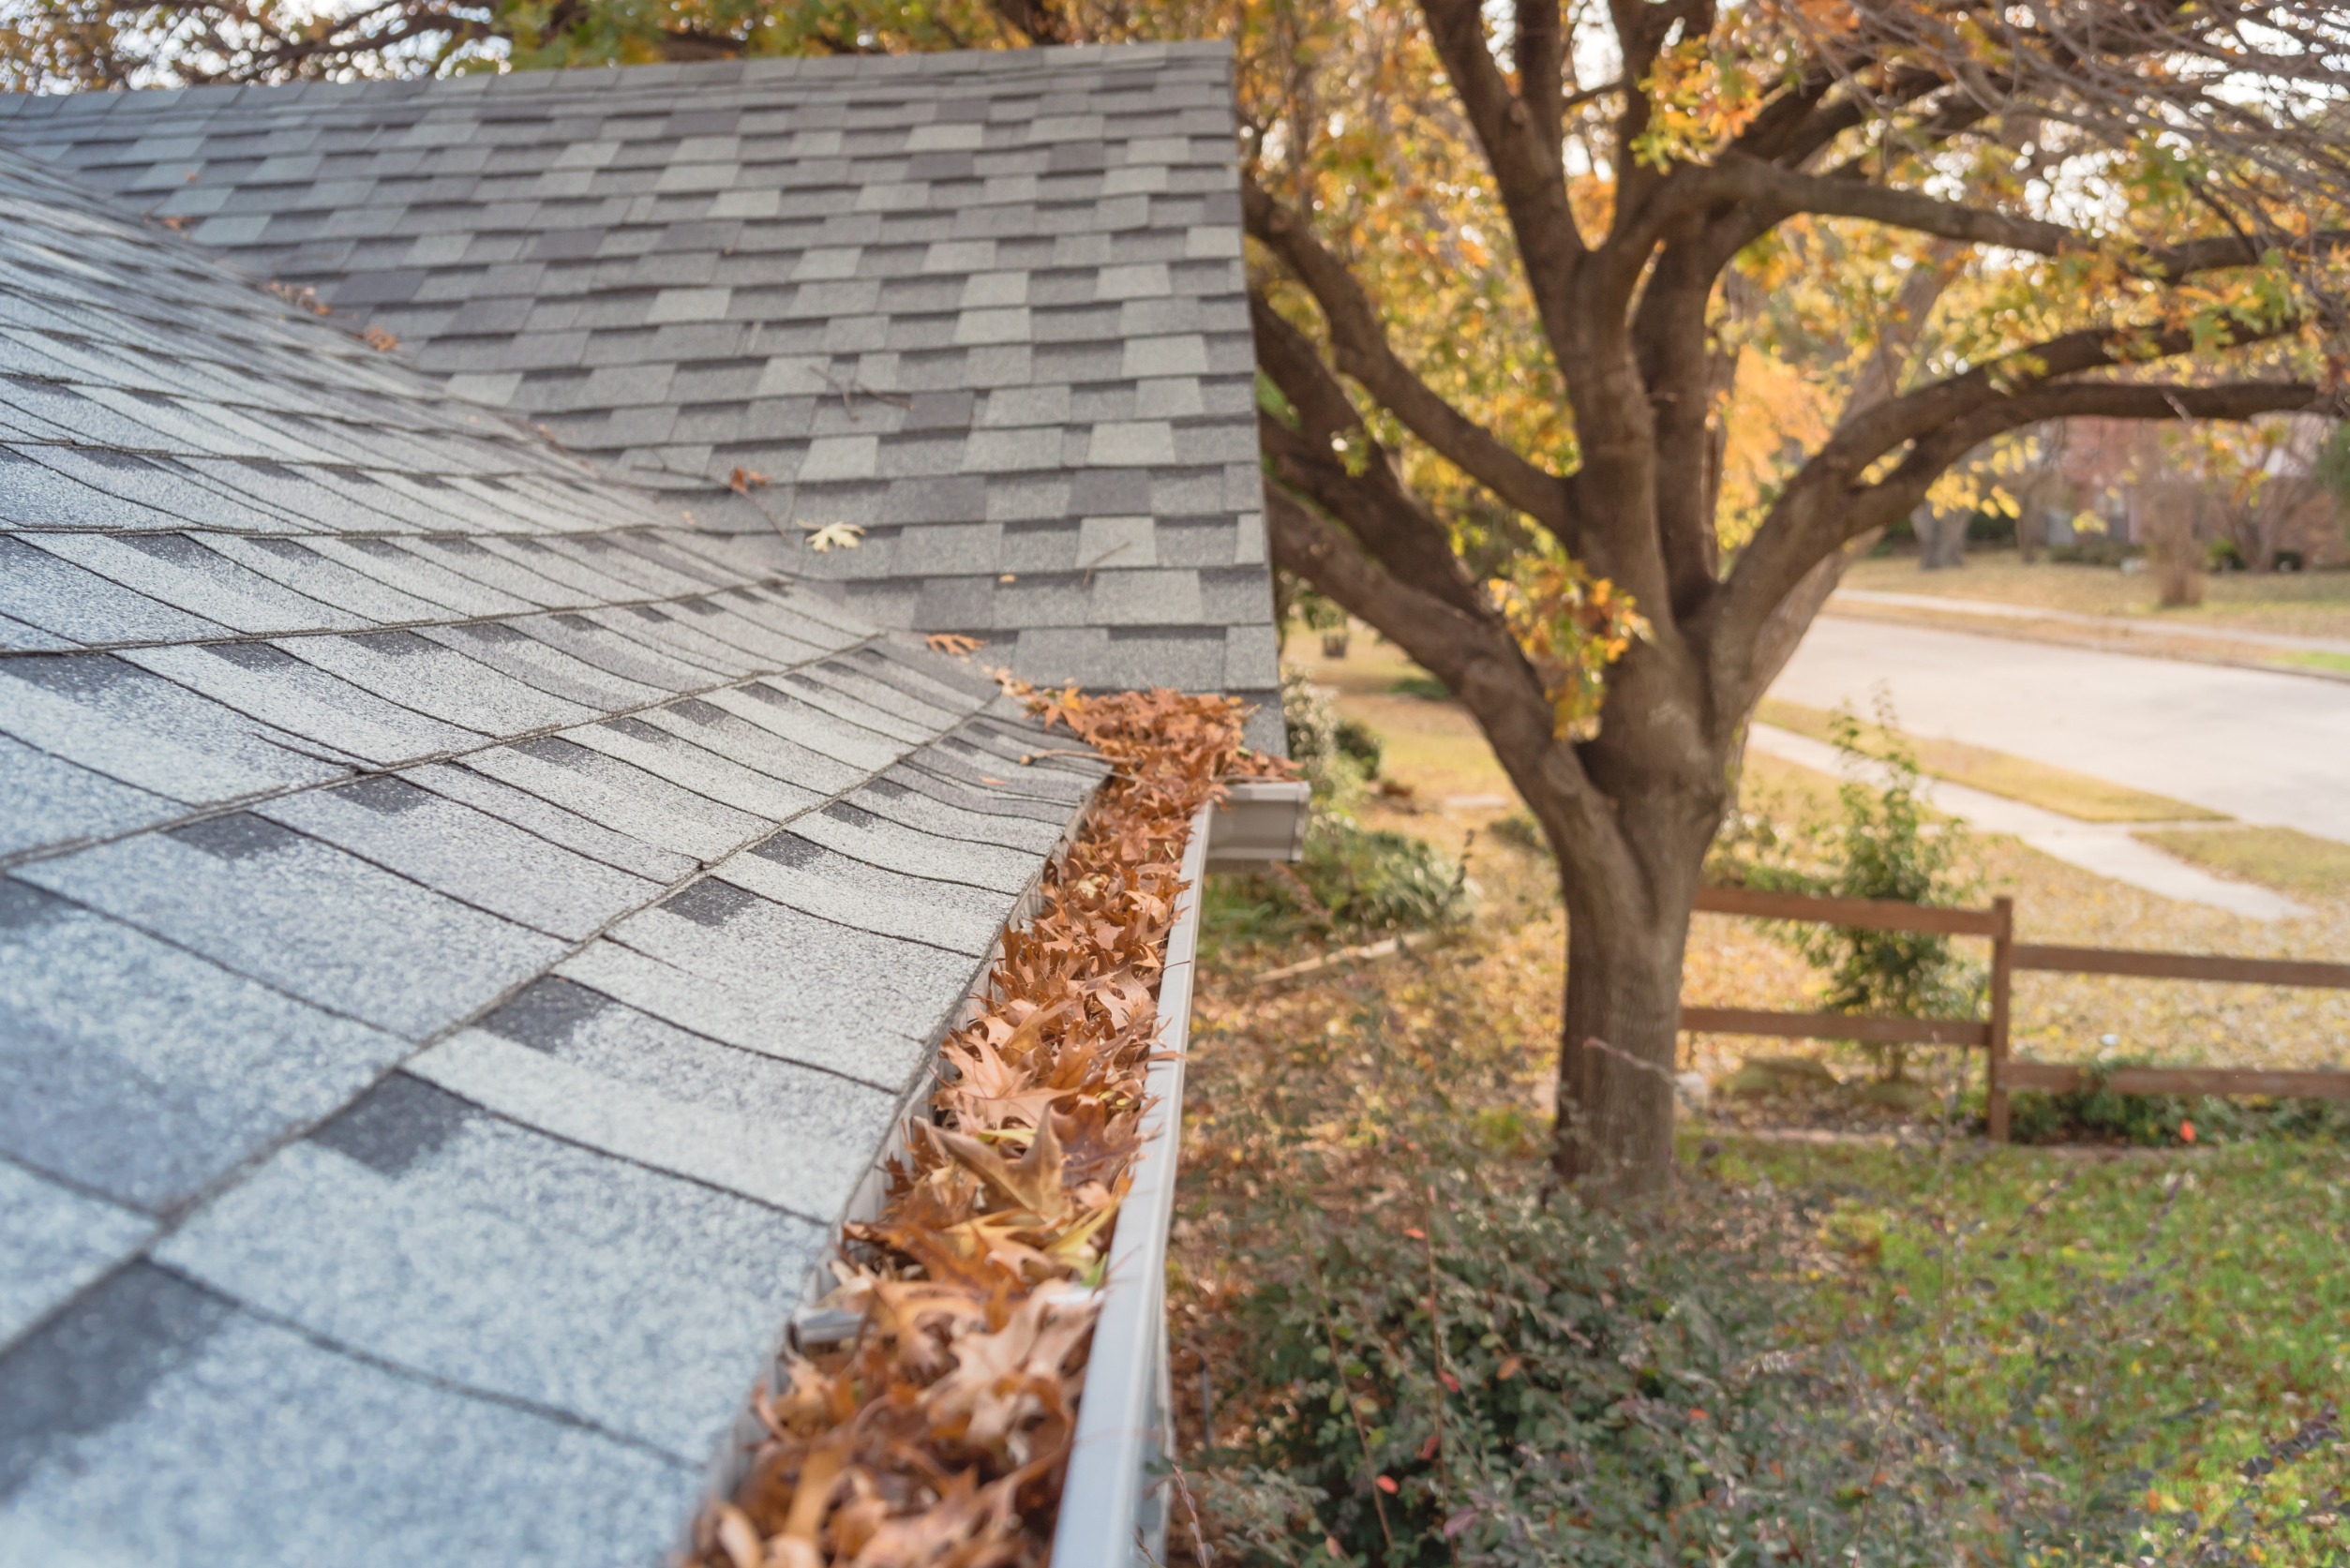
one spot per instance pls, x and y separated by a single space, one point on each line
2269 749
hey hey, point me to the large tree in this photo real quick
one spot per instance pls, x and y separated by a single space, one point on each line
1596 334
2142 198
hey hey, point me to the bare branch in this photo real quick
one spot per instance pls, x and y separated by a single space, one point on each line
1780 193
1331 457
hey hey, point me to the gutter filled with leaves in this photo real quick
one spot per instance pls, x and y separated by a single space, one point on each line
938 1429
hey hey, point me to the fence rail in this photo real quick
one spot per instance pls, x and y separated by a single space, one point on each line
2003 1074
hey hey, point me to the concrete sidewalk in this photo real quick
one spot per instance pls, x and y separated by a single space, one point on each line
2266 749
2106 848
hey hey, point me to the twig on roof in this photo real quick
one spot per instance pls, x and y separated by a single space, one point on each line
1088 580
855 387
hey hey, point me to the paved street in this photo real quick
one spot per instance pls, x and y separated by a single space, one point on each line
2271 749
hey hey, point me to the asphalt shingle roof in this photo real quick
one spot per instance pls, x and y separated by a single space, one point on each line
988 307
465 931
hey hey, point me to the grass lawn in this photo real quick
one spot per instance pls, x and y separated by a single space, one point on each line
2015 778
2304 603
2281 858
2315 660
2182 1312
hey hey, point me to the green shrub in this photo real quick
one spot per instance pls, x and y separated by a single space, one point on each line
1372 880
2095 1113
1588 1388
2222 555
1338 756
1358 740
1884 848
1354 880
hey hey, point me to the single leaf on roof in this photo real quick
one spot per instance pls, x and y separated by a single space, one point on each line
380 340
954 643
744 481
846 536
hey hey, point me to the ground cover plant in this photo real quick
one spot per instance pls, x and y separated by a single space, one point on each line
1417 1353
936 1427
2155 1349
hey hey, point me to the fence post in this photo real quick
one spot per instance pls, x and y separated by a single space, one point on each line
1994 1070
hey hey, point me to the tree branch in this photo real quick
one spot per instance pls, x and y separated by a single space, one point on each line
1331 457
1359 349
1783 192
1541 52
1825 506
1528 175
1473 655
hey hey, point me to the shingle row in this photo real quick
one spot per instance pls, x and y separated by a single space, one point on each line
896 306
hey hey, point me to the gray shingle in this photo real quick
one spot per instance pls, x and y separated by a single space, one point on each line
137 1070
668 754
56 1241
434 680
47 800
44 590
615 795
803 875
850 1002
156 1423
266 683
576 1063
112 719
466 854
552 822
310 919
419 1230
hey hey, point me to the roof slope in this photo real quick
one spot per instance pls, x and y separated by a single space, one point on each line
463 935
988 305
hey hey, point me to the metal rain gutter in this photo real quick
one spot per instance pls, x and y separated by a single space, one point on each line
1112 1502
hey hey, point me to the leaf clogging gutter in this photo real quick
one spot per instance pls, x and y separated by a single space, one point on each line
985 1387
1110 1502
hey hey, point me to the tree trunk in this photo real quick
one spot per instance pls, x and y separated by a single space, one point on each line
1941 538
1621 1024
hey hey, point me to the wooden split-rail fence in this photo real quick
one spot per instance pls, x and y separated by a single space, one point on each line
2004 1073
